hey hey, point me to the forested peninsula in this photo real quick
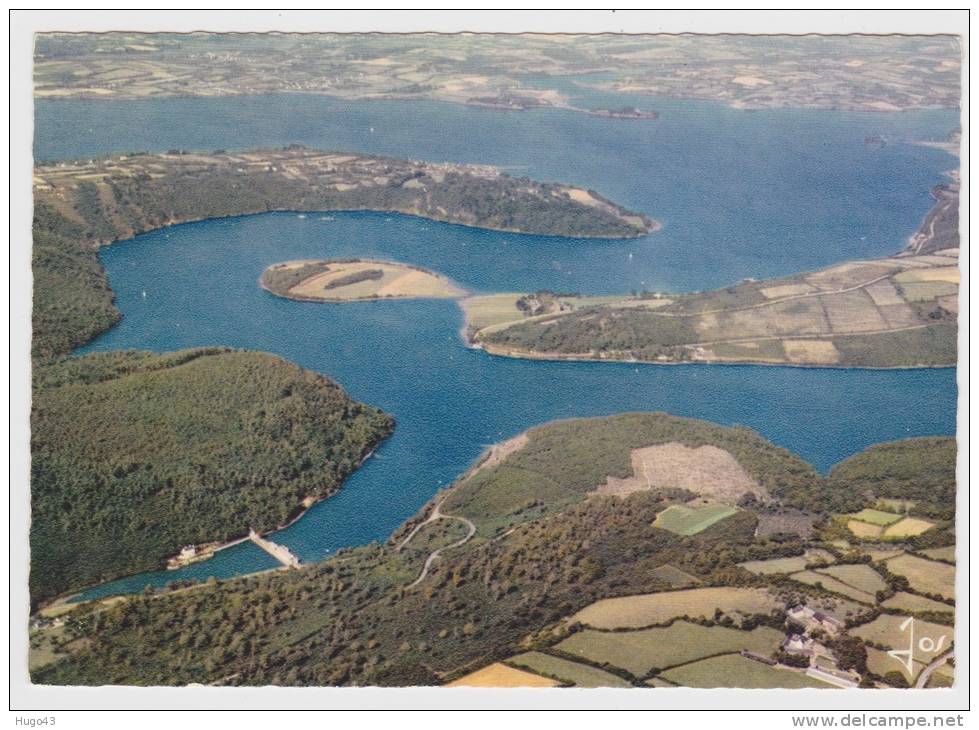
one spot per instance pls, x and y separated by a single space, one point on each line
135 455
80 206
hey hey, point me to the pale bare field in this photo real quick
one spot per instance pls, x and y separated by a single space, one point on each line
631 612
500 675
925 291
948 274
786 290
848 275
852 312
899 315
820 352
397 282
705 470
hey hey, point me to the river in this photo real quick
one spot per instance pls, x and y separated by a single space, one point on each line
739 194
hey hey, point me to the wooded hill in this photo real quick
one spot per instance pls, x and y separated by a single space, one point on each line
135 455
357 620
80 206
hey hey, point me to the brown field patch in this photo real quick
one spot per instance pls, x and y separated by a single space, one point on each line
810 577
820 352
947 554
852 312
500 675
705 470
864 530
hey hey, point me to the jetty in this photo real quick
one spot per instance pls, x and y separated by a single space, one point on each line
279 552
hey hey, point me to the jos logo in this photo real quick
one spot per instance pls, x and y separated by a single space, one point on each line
926 644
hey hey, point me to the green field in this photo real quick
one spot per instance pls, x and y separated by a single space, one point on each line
886 630
776 565
649 609
580 675
925 576
682 520
733 670
639 652
830 583
875 517
862 577
916 604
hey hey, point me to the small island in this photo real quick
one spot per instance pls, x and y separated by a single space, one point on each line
353 280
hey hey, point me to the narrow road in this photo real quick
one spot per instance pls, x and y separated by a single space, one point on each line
927 671
433 556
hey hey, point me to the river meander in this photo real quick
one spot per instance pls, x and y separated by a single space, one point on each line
739 193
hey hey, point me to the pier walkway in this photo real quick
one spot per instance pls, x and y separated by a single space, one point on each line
279 552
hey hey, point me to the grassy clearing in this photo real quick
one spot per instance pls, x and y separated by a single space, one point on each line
812 578
733 670
908 527
568 672
925 576
656 608
683 520
500 675
875 517
886 630
861 577
916 604
946 554
639 652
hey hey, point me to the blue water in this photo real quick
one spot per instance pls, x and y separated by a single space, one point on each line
740 194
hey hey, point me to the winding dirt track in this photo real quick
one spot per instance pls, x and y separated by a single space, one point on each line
927 671
433 556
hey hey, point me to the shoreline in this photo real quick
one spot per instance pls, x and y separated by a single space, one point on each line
726 103
582 357
307 504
